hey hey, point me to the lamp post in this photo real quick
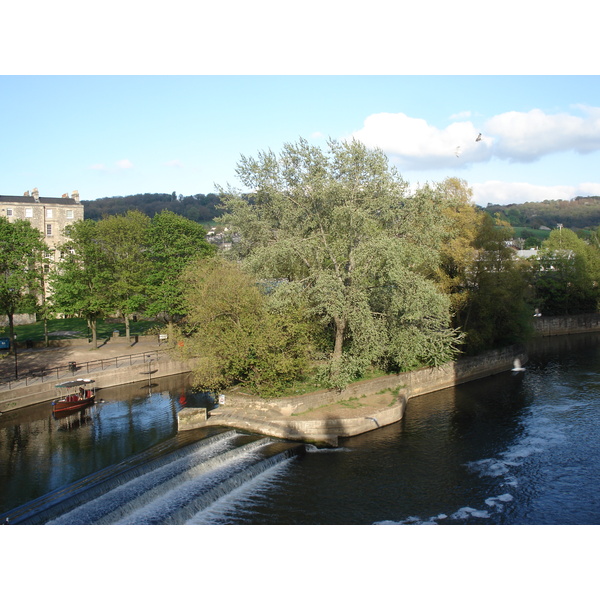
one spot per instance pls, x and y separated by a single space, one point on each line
16 361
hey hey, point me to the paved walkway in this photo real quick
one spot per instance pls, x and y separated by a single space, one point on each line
35 359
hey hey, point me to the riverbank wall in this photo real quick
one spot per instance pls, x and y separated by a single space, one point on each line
414 383
21 397
295 417
566 325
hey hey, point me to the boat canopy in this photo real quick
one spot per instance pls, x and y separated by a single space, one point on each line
74 383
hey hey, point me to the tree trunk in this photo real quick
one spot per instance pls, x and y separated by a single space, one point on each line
340 328
127 329
92 324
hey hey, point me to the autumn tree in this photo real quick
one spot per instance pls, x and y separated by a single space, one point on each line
458 251
498 310
344 231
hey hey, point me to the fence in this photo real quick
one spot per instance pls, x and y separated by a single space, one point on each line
74 370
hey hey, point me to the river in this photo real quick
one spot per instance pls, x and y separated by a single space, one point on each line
513 449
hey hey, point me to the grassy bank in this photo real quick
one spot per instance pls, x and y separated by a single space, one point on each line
68 329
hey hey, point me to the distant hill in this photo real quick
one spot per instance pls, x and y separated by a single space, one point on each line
582 212
201 208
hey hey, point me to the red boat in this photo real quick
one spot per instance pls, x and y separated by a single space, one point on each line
78 394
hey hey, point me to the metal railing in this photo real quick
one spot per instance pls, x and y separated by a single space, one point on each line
79 369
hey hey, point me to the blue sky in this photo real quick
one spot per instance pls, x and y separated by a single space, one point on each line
119 135
171 103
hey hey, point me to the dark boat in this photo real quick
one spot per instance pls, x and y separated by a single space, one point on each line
77 395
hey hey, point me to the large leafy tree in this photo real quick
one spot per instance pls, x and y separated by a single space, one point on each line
567 274
173 241
458 252
343 229
497 311
22 251
238 333
124 243
81 282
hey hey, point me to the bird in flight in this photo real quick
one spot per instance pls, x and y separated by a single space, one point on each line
478 138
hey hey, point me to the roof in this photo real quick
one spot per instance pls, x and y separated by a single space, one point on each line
42 200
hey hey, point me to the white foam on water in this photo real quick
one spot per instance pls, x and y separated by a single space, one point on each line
541 434
237 502
497 502
467 511
314 449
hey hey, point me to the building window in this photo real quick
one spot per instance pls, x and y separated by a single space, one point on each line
48 213
49 229
29 212
69 214
9 212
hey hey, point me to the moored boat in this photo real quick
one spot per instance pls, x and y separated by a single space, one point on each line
78 393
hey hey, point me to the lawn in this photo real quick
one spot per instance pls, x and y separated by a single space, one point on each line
77 328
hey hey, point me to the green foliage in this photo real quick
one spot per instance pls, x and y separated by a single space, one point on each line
173 242
238 335
124 243
201 208
497 312
578 213
342 232
81 283
21 267
567 275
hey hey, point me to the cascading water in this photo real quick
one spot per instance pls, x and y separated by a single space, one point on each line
172 488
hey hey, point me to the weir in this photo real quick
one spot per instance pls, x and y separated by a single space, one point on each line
169 489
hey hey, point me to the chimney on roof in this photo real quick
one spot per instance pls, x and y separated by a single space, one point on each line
65 196
36 194
26 193
75 196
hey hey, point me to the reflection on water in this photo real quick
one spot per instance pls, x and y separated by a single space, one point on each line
41 452
516 448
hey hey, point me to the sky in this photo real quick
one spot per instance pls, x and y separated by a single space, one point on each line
170 101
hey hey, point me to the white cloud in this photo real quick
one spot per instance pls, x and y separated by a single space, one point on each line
98 167
503 192
124 164
514 136
527 136
413 143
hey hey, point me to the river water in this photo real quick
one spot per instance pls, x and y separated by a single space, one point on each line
516 448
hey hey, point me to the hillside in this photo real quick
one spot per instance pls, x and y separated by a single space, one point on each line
578 213
201 208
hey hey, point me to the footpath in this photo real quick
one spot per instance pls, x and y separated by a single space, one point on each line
115 362
81 352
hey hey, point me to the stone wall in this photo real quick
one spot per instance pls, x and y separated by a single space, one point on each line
565 325
415 383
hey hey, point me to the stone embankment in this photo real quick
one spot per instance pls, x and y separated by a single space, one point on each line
324 417
116 362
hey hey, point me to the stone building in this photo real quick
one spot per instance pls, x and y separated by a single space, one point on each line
48 215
